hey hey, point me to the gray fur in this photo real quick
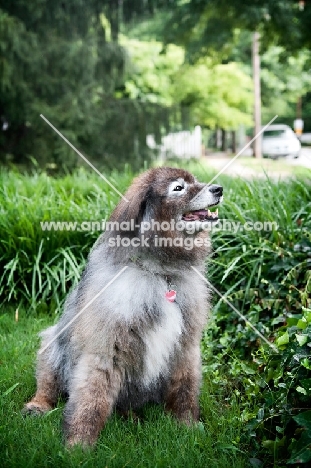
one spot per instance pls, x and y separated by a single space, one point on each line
131 345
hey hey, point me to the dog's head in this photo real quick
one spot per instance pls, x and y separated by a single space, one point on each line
167 202
166 194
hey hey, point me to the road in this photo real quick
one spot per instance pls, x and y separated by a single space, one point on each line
248 167
304 158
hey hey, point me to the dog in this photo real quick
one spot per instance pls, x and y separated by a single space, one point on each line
131 329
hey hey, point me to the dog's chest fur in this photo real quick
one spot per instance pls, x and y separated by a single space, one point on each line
160 328
150 325
132 327
160 342
158 324
148 357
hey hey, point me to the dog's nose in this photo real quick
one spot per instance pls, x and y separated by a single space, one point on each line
216 190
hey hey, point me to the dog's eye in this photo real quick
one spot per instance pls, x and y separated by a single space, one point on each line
177 187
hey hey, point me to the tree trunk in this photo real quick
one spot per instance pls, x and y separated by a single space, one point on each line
114 17
223 140
233 141
257 95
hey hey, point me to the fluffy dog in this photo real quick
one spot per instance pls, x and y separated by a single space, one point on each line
132 335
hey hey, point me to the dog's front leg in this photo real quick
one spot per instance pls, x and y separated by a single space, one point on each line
91 401
182 398
48 388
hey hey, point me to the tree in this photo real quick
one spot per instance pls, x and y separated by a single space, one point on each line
152 70
64 60
55 59
218 95
284 79
284 76
209 26
215 29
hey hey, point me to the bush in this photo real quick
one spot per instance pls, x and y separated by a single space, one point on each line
266 276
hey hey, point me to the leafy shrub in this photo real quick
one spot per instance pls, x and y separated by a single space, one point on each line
266 276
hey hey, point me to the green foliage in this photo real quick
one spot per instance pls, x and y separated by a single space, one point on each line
38 267
218 95
223 32
64 61
285 387
209 26
153 70
300 449
267 277
67 62
284 77
283 80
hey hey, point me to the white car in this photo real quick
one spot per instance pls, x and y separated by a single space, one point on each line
280 140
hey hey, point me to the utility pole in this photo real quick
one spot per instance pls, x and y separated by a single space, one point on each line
257 94
299 108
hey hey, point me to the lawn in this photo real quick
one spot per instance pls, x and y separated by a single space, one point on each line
251 167
154 440
279 167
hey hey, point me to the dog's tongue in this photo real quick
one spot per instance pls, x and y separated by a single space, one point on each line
201 212
194 215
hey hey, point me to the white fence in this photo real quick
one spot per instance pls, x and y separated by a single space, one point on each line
183 144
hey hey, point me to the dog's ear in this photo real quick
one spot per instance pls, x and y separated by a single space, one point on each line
138 206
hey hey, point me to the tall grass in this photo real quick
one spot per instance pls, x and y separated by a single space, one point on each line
38 267
248 257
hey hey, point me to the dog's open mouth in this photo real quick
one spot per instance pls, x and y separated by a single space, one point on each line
201 215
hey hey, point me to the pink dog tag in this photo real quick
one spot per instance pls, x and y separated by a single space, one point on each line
170 295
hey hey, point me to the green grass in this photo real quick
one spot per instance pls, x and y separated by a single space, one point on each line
156 440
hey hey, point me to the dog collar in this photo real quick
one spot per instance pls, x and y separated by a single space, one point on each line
170 294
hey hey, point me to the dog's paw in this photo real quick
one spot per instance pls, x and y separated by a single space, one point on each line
76 441
189 418
36 408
